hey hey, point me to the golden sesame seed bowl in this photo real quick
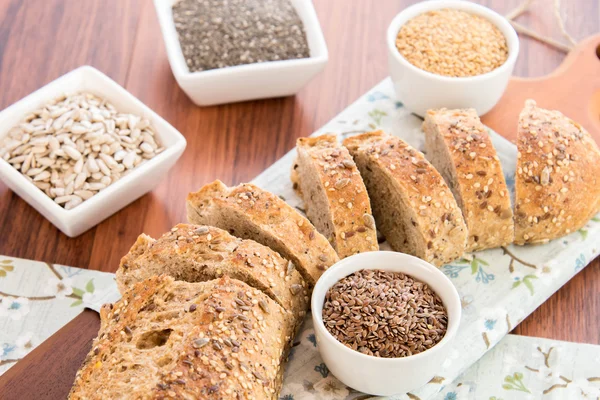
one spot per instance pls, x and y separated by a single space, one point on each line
420 90
377 375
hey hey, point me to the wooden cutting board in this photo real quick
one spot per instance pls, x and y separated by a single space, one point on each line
47 373
573 88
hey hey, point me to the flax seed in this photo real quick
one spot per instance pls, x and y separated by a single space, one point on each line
384 314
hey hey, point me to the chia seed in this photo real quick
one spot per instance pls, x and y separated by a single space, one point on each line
217 34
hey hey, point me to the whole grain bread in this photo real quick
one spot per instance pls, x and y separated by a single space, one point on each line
194 253
557 186
460 148
249 212
335 197
412 204
173 339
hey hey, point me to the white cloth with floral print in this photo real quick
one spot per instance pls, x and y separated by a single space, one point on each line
37 299
527 367
518 367
498 288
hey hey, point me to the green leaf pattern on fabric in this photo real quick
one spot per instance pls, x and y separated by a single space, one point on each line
515 382
90 286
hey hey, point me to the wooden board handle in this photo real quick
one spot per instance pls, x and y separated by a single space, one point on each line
48 372
573 88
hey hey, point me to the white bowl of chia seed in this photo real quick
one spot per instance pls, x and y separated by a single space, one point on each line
384 321
225 52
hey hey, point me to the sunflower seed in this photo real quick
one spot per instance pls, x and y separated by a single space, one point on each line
84 194
42 176
78 143
348 164
369 221
62 199
129 160
290 267
72 152
201 230
91 165
264 306
198 343
295 288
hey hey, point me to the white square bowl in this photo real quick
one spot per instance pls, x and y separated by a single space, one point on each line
136 183
249 81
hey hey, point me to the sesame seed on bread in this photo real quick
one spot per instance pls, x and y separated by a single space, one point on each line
173 339
460 148
335 197
412 205
558 176
250 212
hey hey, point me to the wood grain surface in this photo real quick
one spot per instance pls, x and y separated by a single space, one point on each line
578 75
48 372
43 39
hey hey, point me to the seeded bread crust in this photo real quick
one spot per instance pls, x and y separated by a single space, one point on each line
459 147
412 204
249 212
193 253
335 197
168 339
558 176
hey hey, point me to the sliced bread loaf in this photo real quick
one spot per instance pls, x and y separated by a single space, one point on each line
335 198
195 253
557 187
249 212
173 339
412 205
460 148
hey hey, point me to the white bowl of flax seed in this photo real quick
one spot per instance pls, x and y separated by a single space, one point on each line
450 53
384 321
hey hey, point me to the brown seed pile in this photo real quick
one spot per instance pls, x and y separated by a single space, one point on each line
217 34
384 314
452 43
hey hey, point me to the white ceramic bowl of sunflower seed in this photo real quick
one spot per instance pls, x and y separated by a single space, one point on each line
81 148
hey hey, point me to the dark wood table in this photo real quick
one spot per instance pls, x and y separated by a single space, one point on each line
43 39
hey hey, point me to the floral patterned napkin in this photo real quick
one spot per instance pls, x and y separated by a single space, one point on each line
37 299
519 367
524 368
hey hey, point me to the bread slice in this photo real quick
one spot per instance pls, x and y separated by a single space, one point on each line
412 204
249 212
335 197
173 339
195 253
557 187
460 148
